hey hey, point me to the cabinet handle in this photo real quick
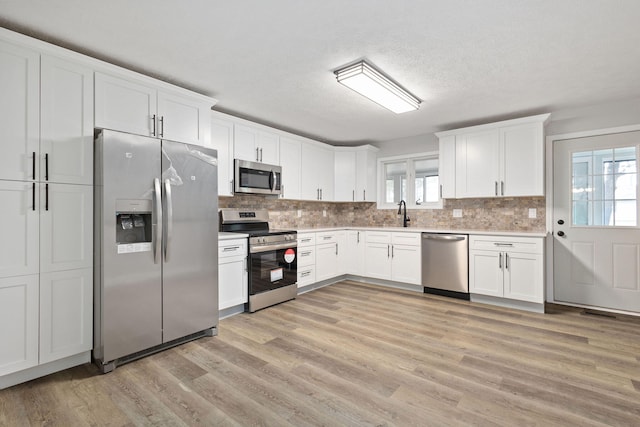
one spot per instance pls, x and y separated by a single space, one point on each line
282 191
230 248
500 261
387 251
336 249
392 254
161 126
257 154
261 154
33 165
326 237
502 188
321 194
153 120
504 244
46 166
506 261
358 241
364 195
441 191
307 253
496 187
353 195
246 264
231 187
305 273
33 196
46 197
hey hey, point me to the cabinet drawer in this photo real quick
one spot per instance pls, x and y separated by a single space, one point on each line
306 239
325 238
232 248
306 256
306 275
533 245
378 237
410 239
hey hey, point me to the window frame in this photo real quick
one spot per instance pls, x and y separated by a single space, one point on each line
410 177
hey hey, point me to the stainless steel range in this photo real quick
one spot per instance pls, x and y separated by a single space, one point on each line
273 254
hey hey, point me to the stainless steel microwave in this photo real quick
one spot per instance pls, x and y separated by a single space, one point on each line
257 178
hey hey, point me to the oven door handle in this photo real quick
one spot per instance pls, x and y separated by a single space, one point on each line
266 248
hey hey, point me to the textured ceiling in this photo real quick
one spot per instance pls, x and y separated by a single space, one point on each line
471 61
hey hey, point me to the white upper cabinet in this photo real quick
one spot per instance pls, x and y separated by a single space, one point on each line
447 167
345 175
317 177
290 152
355 174
366 174
504 159
255 145
222 140
66 141
19 112
131 106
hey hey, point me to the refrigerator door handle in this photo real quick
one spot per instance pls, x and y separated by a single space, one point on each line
158 224
168 219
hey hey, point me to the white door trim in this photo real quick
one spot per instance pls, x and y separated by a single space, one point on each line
549 140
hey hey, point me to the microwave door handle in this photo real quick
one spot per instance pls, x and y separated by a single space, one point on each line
272 180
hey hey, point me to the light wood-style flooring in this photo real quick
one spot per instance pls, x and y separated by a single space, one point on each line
360 354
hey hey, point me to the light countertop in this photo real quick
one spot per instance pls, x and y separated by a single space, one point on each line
430 230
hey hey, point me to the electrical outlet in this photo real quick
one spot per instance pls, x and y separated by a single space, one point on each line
457 213
299 213
324 212
533 213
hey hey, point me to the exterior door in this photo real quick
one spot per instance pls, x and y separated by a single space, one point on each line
190 247
596 238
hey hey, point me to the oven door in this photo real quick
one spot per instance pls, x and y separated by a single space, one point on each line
272 269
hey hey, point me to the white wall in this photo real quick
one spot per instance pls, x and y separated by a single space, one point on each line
413 144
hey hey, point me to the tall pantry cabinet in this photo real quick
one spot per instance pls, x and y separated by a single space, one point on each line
46 194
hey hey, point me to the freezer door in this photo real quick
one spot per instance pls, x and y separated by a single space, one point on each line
190 251
128 286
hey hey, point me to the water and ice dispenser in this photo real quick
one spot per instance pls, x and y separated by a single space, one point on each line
134 226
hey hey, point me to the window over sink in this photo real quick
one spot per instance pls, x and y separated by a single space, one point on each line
419 171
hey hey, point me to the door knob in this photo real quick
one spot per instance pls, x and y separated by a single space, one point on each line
561 221
560 233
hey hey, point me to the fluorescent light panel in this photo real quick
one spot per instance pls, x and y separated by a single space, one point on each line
369 82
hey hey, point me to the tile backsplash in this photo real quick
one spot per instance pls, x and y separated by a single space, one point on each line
495 214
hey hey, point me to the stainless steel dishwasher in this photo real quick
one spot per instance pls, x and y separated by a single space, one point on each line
445 264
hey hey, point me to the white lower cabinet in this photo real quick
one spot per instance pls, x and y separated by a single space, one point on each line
306 259
326 256
507 267
232 273
355 252
66 316
393 256
19 307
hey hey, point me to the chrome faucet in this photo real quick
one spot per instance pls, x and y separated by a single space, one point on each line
405 218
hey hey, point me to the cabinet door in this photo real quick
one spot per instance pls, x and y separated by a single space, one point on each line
309 171
125 105
342 254
378 261
355 254
406 264
326 171
485 273
523 277
326 261
222 140
447 167
245 143
66 313
232 282
522 160
183 119
290 162
18 323
19 228
477 159
66 136
19 112
366 176
345 176
268 148
66 226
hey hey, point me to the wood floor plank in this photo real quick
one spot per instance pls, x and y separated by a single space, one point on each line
358 354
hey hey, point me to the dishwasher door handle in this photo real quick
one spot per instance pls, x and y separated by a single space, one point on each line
443 237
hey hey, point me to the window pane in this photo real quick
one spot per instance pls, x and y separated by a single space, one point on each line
395 177
432 192
420 195
604 187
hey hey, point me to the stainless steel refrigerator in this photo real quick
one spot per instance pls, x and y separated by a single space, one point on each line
156 246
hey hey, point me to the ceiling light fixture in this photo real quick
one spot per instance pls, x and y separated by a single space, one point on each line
371 83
